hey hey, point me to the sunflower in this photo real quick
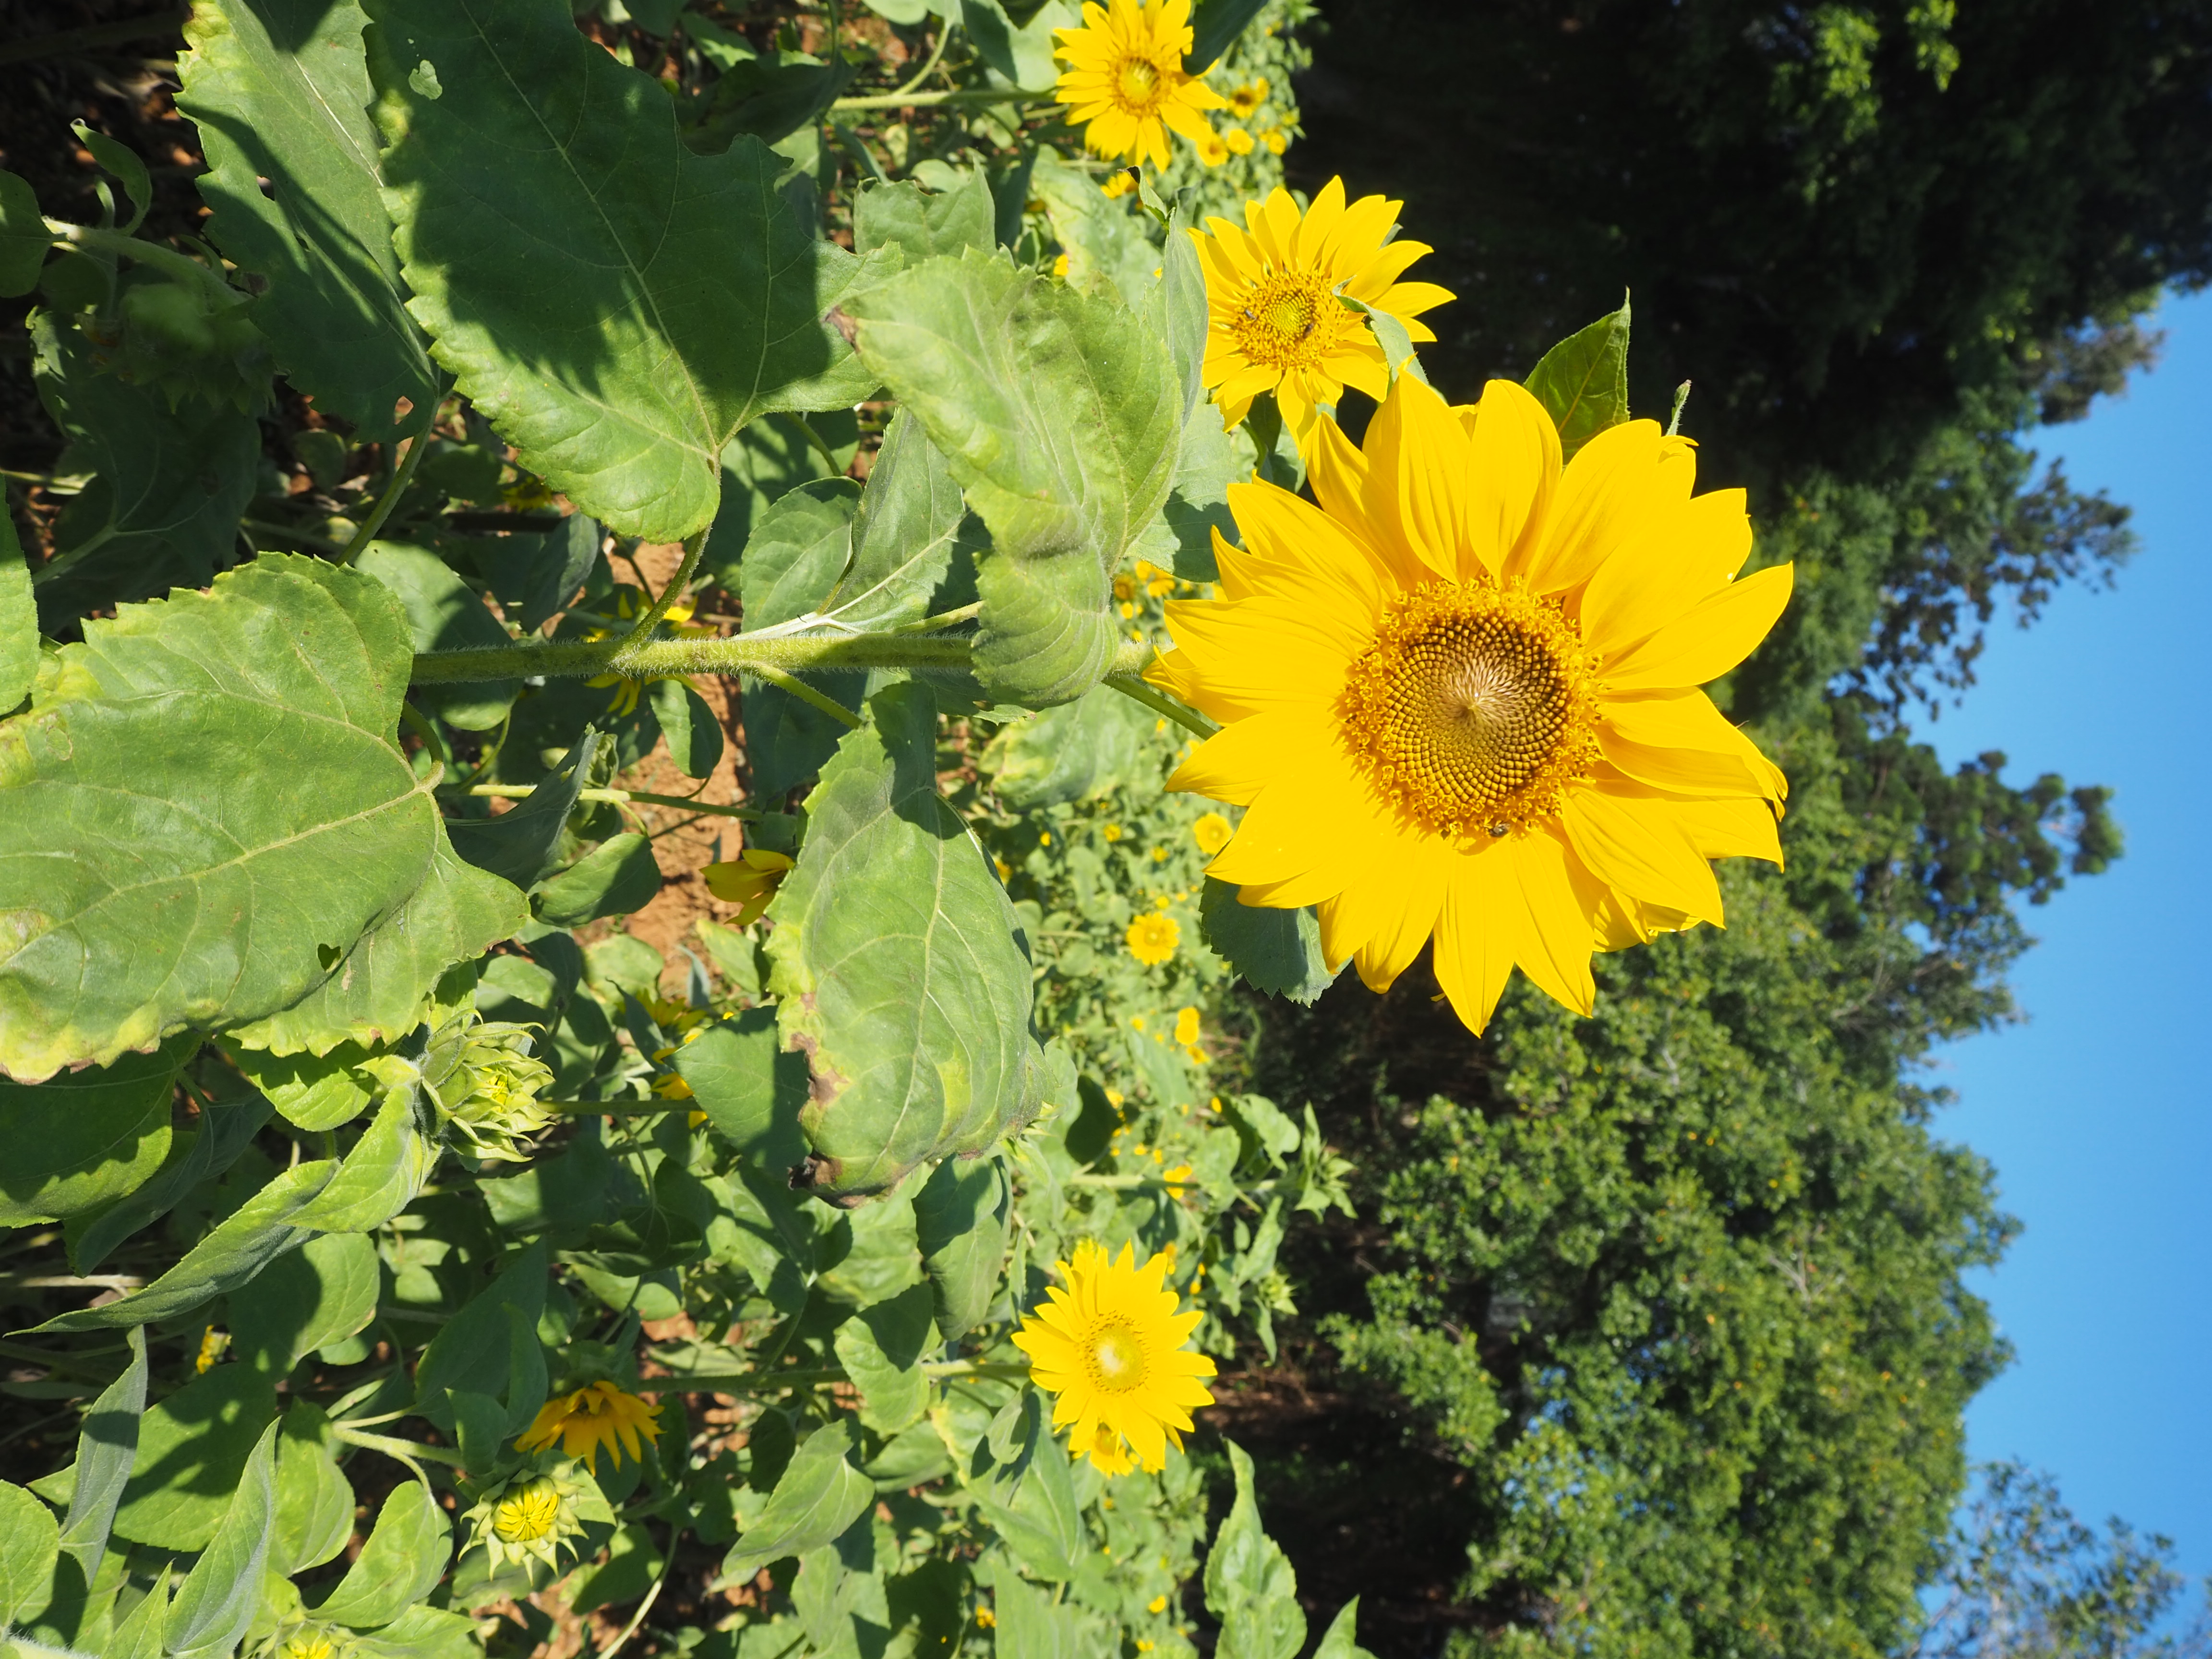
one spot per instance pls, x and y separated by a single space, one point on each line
1212 833
599 1414
749 881
1108 1349
535 1516
1274 296
1458 696
1126 80
1152 938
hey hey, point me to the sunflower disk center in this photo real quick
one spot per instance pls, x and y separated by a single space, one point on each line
1139 82
1114 1356
1284 322
1470 709
528 1516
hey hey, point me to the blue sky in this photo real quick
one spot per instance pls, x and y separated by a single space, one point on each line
2098 1112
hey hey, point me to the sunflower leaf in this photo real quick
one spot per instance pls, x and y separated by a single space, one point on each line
19 620
818 1496
85 1138
405 1556
669 298
896 966
1060 415
279 91
218 1597
1214 27
960 1222
1278 952
1583 381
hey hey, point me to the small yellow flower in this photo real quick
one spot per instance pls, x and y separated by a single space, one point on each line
600 1414
1273 142
1212 832
1196 1055
312 1642
1006 870
1248 98
1059 267
1152 938
986 1620
1238 140
1119 182
1159 856
1124 79
1177 1176
212 1343
1274 292
671 1087
748 881
1110 1350
1213 149
1186 1026
1112 832
1156 581
679 1017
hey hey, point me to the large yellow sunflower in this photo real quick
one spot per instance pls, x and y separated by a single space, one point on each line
1126 80
1458 696
1277 323
1109 1348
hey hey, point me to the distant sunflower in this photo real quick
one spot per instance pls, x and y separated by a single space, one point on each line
1125 81
1274 296
1110 1350
598 1415
1458 696
749 881
1152 938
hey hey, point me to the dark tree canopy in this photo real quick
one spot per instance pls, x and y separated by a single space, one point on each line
1657 1318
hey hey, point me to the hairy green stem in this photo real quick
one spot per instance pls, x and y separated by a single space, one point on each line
801 1376
94 239
405 1450
806 694
401 475
669 594
619 797
741 653
1134 687
927 100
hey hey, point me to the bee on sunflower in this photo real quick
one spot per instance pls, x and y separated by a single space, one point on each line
1460 698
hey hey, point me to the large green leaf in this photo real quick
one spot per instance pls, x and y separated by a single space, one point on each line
207 821
1080 750
1040 1517
192 1448
475 1352
960 1222
798 548
443 614
1032 1625
616 877
217 1603
923 223
896 965
404 1558
86 1138
19 620
107 1446
1583 381
279 90
617 305
881 1349
24 238
1250 1584
380 1176
168 485
1060 414
908 536
307 1299
225 1129
241 1245
1022 52
818 1495
30 1541
314 1502
1278 952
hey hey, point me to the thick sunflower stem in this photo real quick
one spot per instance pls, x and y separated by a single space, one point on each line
741 653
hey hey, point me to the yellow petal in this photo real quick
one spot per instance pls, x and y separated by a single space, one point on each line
1731 828
1322 822
1552 920
1606 490
1640 848
1654 723
1259 653
1677 558
1242 759
1388 911
1281 529
1515 467
1417 487
1712 638
1474 947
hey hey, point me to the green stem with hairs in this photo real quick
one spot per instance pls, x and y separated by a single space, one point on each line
405 1450
927 100
740 653
1134 687
619 797
806 694
669 594
799 1376
401 475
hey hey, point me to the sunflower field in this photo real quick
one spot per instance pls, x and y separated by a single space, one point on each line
678 658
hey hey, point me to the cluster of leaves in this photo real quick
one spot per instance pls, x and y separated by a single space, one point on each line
333 1066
